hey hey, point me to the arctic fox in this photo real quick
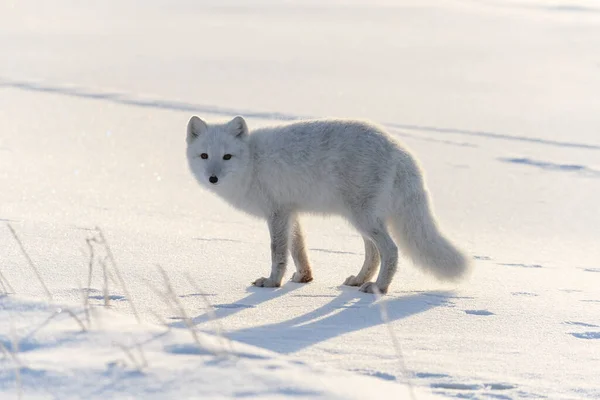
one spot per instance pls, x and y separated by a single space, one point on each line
349 168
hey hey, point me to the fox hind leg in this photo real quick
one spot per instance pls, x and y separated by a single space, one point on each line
376 230
369 266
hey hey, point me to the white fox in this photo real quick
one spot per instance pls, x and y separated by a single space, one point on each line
349 168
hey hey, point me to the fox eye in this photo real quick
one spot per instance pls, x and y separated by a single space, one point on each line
204 156
227 157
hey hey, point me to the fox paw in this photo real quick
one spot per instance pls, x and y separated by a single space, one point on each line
266 282
371 287
352 281
301 278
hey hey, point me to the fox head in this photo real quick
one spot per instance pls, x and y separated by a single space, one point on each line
218 154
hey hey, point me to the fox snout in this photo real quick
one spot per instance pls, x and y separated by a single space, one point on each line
213 179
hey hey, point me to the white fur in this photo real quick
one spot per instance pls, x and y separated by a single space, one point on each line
349 168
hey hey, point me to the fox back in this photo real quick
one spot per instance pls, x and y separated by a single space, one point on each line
320 166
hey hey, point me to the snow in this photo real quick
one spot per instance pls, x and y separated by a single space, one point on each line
498 100
115 357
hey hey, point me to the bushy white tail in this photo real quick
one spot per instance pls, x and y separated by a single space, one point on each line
420 239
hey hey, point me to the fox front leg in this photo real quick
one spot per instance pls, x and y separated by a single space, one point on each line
279 228
303 272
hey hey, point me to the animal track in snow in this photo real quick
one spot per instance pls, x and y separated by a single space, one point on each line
376 374
430 375
114 297
454 387
527 294
234 305
522 265
216 239
586 335
479 312
591 269
580 324
444 296
183 296
442 303
334 251
472 386
550 166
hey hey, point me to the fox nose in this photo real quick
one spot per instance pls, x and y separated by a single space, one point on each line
213 179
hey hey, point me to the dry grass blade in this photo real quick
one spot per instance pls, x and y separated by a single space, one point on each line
171 299
29 261
105 291
51 317
127 353
118 273
9 354
86 296
76 318
158 316
90 246
219 330
42 325
142 354
138 365
5 284
4 289
85 299
18 364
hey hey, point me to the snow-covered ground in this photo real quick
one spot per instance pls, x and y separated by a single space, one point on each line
60 356
498 99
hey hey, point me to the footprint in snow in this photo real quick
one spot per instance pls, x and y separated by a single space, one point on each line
186 349
90 290
586 335
580 324
452 387
571 290
183 296
444 296
113 297
473 386
521 265
376 374
479 312
527 294
193 349
550 166
431 375
591 269
234 305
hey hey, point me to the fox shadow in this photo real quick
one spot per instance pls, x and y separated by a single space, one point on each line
348 312
255 297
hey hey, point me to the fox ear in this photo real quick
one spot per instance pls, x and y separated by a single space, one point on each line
237 126
195 128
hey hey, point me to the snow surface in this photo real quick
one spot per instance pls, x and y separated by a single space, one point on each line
498 99
62 357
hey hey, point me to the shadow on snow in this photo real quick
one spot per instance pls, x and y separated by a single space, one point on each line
350 311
